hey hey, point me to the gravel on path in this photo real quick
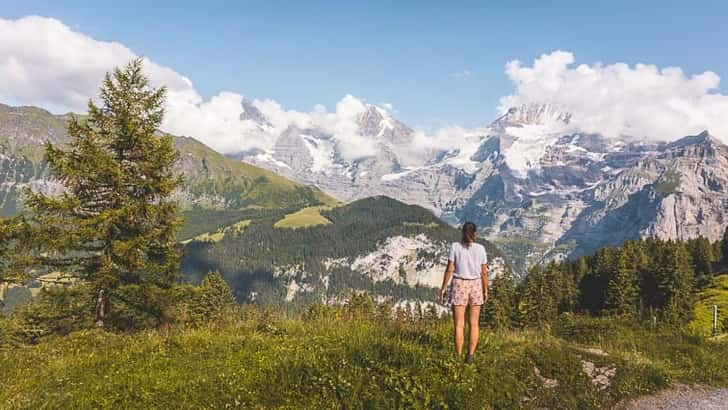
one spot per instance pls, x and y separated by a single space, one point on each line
680 397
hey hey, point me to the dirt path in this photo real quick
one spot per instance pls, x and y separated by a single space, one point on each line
681 397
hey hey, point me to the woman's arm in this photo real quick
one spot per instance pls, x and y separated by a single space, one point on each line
446 279
484 279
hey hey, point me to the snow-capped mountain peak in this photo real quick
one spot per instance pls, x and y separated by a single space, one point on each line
252 113
531 128
378 123
532 114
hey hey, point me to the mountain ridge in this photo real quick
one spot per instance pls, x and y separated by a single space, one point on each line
531 178
275 240
212 179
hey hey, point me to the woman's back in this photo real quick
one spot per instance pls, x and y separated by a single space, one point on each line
468 260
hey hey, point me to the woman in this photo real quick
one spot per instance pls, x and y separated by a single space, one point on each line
467 267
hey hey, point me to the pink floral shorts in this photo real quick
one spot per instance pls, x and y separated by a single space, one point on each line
465 292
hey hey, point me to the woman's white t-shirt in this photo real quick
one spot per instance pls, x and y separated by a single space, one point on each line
467 260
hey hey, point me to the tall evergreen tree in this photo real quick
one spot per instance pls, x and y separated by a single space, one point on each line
581 268
622 291
676 283
537 304
724 248
593 286
717 251
701 253
501 310
114 226
13 238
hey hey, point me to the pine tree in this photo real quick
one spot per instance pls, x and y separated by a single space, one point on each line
114 227
581 268
217 292
622 292
501 310
210 301
701 253
537 304
14 236
676 283
717 251
593 286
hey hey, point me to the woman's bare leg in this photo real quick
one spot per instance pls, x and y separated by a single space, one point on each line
474 322
458 315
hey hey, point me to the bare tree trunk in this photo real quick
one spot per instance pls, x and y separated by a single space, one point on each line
100 309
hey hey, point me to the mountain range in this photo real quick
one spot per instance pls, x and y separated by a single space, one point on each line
211 179
535 185
538 188
273 239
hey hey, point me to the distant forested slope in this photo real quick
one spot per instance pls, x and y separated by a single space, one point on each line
261 261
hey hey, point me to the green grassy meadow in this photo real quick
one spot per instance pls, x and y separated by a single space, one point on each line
715 294
304 218
256 359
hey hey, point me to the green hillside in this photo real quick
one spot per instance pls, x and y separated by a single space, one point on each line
715 294
248 259
240 185
212 180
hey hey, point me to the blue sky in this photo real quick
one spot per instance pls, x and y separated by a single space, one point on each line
400 52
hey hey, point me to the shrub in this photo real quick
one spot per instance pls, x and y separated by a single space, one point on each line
57 310
194 306
585 330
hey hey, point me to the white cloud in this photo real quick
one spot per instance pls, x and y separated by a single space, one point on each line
617 99
44 62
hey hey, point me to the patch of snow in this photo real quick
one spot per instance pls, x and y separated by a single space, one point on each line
462 159
596 156
322 153
398 175
268 157
529 146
